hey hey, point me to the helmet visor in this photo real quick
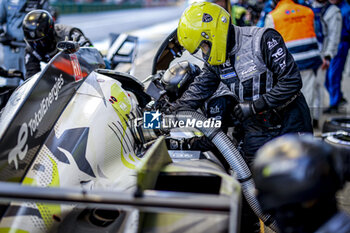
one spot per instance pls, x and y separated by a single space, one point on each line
43 46
205 46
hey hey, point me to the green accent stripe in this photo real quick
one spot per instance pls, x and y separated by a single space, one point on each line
46 210
12 230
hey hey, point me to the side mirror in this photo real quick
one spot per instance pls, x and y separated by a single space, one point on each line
68 46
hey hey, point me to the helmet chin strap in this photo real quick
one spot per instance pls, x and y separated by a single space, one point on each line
231 40
201 59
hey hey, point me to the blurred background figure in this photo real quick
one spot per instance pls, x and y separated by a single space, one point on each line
252 15
296 180
12 13
242 13
269 5
226 4
42 35
337 64
239 12
258 4
328 26
236 10
246 13
321 30
295 23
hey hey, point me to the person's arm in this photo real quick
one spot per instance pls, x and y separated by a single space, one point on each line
269 21
3 12
32 65
204 86
286 74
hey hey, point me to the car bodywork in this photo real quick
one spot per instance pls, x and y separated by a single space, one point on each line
74 125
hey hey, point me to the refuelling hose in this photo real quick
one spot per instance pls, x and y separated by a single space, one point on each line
234 159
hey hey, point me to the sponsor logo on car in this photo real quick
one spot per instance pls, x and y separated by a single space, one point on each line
78 75
29 128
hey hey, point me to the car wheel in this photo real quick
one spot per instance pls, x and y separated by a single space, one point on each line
339 140
336 124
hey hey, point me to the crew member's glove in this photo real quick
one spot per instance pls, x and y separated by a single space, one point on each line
164 106
244 110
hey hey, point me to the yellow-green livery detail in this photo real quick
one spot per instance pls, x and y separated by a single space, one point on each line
121 102
122 106
47 211
12 230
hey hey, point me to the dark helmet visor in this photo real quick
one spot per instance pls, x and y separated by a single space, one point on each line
43 46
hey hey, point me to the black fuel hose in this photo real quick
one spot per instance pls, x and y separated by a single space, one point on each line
234 159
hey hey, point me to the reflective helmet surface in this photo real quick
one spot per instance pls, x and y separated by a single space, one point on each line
205 23
293 169
39 32
178 77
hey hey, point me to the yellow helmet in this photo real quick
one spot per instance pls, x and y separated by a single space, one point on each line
205 25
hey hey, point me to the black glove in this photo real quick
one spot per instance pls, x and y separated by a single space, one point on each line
167 109
244 110
164 106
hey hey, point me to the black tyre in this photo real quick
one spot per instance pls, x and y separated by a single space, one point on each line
336 124
339 140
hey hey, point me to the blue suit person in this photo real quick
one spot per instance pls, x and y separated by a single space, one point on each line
12 13
337 64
